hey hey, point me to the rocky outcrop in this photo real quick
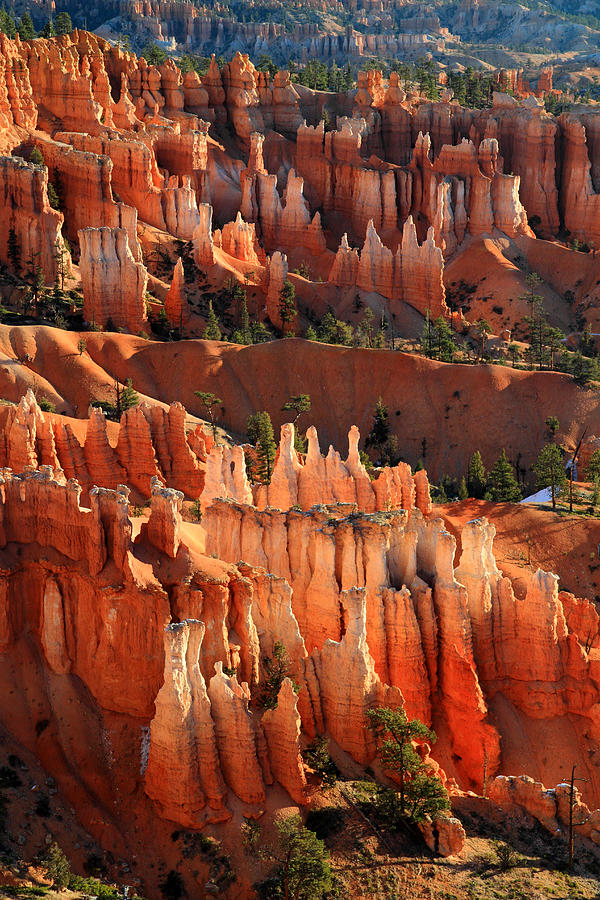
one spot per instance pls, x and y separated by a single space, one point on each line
238 239
30 230
243 102
329 480
349 661
114 284
85 182
182 729
235 731
277 274
282 727
580 198
550 807
413 275
375 599
204 254
176 307
17 106
151 443
444 835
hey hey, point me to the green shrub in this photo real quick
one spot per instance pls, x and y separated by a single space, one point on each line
93 887
317 756
57 866
506 857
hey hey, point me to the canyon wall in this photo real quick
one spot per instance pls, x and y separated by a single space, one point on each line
379 202
373 596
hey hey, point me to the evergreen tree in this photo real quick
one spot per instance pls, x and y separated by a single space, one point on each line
57 866
299 403
212 332
303 871
287 307
260 433
48 30
421 793
125 398
63 23
462 489
427 341
552 424
515 353
26 29
36 157
380 429
276 670
259 333
209 401
502 484
476 477
154 55
592 471
437 339
444 339
36 285
53 196
583 369
243 334
266 449
8 25
550 470
553 338
483 329
348 82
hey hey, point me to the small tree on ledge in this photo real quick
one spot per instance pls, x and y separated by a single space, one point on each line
209 401
421 793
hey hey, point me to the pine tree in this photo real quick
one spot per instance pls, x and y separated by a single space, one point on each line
444 339
57 866
212 332
592 471
550 470
299 403
63 23
8 25
260 433
552 424
427 337
421 793
483 329
26 29
380 429
243 334
302 862
287 308
476 477
462 489
276 670
125 398
209 401
502 484
36 157
48 30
